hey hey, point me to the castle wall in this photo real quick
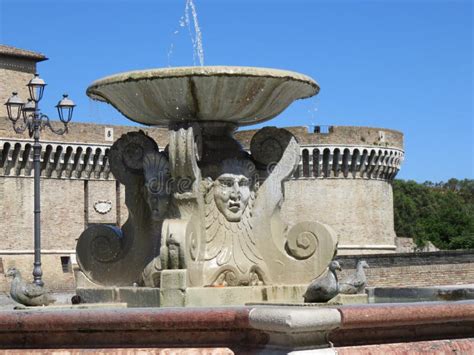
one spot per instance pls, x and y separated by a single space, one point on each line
57 273
13 80
448 267
359 210
334 135
82 133
62 213
345 186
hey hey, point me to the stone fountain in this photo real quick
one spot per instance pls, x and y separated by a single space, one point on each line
204 226
204 230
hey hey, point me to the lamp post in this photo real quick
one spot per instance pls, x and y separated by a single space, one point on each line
28 117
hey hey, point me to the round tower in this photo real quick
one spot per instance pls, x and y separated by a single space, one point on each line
344 180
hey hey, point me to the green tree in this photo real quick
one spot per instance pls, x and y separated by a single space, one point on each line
442 213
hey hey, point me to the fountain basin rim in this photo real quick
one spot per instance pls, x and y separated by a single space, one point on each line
164 96
179 72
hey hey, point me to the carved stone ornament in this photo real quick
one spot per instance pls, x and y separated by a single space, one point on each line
111 256
205 207
103 206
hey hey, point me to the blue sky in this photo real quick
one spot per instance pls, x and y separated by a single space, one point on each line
405 65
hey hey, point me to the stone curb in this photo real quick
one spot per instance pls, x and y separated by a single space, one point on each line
294 320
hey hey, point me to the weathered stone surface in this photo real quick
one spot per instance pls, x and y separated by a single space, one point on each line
138 296
174 279
238 296
342 299
116 257
172 298
97 295
132 296
243 95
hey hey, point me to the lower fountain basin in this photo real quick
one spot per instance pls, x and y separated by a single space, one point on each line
240 95
400 328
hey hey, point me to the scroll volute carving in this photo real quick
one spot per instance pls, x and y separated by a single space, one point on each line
304 251
185 151
113 256
127 155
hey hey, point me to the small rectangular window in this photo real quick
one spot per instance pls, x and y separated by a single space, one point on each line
66 264
1 266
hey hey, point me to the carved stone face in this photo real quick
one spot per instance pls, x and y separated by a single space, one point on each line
158 199
231 194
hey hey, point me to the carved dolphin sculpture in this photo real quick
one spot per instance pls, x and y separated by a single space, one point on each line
356 282
325 287
27 294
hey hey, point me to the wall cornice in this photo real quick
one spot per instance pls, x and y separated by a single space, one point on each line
65 160
349 162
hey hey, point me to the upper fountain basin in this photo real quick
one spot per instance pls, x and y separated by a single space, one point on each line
240 95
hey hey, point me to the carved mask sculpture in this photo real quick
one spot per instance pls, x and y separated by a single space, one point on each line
232 188
232 193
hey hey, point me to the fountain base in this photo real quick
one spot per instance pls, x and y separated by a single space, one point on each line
253 329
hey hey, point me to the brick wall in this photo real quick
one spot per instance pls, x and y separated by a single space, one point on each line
85 133
55 278
414 269
12 81
359 210
62 213
344 135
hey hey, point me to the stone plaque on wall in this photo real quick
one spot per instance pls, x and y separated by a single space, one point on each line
102 206
109 134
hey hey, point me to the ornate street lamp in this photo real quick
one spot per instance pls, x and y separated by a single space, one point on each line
28 117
